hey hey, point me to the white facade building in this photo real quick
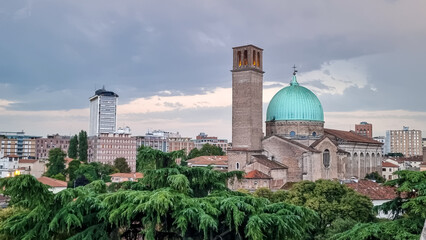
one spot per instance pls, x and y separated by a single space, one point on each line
103 112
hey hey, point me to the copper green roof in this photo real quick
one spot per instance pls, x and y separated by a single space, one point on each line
295 103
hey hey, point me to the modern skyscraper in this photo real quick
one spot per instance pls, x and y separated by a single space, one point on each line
103 112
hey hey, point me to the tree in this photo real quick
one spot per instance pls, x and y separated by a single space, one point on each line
376 177
206 150
82 146
331 200
171 202
59 176
148 158
395 154
73 147
408 208
121 165
56 162
72 167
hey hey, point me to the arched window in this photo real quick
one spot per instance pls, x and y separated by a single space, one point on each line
314 134
254 58
237 166
292 134
239 58
245 60
326 158
258 59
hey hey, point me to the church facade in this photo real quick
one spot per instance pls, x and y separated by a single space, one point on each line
296 145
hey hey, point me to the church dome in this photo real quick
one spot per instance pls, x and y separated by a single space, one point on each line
295 103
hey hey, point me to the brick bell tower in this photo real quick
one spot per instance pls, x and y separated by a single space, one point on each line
247 87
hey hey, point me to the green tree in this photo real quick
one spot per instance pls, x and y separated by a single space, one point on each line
375 176
56 162
331 200
148 158
121 165
73 147
206 150
59 176
82 146
72 167
171 202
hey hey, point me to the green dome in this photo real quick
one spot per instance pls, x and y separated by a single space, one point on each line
295 103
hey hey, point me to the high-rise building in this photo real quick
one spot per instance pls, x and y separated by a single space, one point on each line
364 129
103 112
405 141
17 143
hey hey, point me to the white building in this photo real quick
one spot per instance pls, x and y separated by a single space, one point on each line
103 112
405 141
381 139
8 165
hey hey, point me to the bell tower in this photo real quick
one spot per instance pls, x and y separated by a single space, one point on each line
247 86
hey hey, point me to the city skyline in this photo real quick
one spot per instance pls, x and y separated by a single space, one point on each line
170 66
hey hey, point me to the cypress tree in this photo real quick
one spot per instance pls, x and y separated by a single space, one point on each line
82 146
73 147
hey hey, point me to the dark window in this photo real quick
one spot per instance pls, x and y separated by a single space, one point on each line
254 58
238 165
239 58
314 134
326 158
245 61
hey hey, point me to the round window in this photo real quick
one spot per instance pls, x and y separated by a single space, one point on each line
292 134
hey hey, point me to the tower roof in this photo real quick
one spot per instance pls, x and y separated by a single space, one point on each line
295 103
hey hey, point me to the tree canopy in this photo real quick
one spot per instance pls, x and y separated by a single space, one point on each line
73 147
206 150
170 202
82 146
121 165
56 162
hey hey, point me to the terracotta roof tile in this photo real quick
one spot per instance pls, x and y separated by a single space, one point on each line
350 136
128 175
27 160
388 164
255 174
262 159
209 160
373 190
52 182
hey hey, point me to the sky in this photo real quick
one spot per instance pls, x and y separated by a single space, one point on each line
170 61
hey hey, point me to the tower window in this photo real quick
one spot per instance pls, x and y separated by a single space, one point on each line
314 134
292 134
326 158
258 59
237 166
254 58
239 58
245 60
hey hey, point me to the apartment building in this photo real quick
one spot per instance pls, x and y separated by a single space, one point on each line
405 141
44 145
18 143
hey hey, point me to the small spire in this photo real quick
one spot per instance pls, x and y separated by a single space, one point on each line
294 80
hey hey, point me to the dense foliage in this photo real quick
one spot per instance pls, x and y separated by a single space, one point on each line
408 209
56 162
171 202
375 176
82 146
121 165
73 147
206 150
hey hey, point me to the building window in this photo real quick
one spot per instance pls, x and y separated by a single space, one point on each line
238 166
326 158
384 169
314 134
292 134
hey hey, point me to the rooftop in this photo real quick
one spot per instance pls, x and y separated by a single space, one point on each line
388 164
128 175
52 182
350 136
373 190
209 160
255 174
